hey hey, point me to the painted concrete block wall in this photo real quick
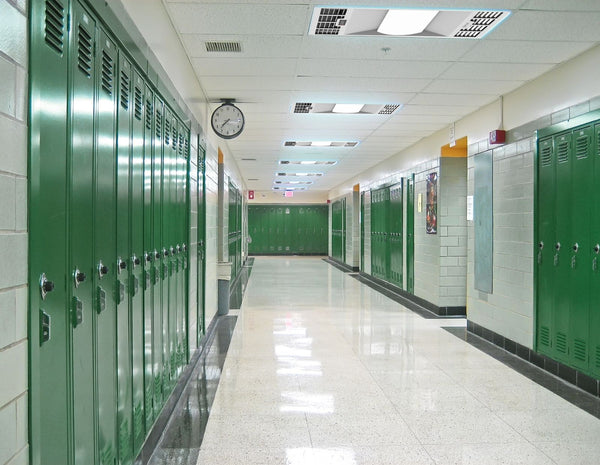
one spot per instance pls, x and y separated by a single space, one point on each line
509 310
452 220
13 233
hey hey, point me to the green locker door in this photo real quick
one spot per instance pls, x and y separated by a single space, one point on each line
546 235
343 233
148 258
184 208
81 234
165 250
124 392
49 393
201 238
158 268
136 287
172 238
410 234
580 247
362 231
595 266
105 249
180 262
564 241
385 252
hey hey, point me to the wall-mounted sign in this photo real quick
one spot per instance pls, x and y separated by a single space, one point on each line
250 195
431 205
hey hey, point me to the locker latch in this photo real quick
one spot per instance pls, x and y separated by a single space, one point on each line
101 304
148 279
147 257
595 260
77 310
78 277
102 270
121 292
121 265
45 286
44 327
557 247
539 257
156 272
135 284
135 261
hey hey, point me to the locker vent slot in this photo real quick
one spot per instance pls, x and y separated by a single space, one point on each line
580 350
561 342
84 51
546 155
597 361
137 97
54 25
186 149
125 82
181 144
149 112
545 336
167 131
582 144
174 135
108 71
158 126
563 152
330 21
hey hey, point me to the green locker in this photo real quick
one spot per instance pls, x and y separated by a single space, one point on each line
595 258
124 367
165 250
104 273
564 241
136 278
159 361
410 234
362 231
81 234
201 239
172 238
546 234
49 393
148 259
580 246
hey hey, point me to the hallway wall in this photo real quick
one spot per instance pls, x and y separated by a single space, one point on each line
13 233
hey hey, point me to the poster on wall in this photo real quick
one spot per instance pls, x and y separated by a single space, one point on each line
431 205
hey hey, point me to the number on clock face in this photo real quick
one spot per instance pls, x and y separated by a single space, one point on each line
227 121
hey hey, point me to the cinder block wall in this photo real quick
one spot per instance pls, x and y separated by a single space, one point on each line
13 233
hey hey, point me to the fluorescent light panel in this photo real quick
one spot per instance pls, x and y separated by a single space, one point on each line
290 143
406 22
307 162
347 108
299 174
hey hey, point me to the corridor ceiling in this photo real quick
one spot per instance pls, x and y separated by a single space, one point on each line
436 80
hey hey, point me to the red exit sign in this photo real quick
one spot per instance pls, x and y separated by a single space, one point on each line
250 195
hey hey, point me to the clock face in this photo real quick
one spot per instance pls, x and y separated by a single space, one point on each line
227 121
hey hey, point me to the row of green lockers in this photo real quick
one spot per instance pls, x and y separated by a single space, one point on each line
235 230
338 230
109 243
568 243
288 229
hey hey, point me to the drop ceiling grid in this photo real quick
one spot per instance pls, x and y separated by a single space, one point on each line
438 80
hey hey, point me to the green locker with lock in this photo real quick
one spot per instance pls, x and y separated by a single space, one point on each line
410 234
104 273
148 259
81 195
380 233
158 362
595 268
136 277
201 266
124 367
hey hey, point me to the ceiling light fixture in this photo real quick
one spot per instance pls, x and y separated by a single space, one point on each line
348 108
307 162
406 22
320 144
289 143
299 174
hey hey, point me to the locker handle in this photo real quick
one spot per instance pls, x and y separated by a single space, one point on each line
156 254
102 270
148 257
172 250
557 246
178 248
45 286
165 252
135 260
78 277
575 247
184 247
541 245
597 248
122 265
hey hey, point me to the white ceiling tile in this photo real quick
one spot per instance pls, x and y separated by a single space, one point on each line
520 51
352 84
236 19
248 83
434 110
253 46
371 68
244 66
496 71
562 5
473 86
549 26
453 99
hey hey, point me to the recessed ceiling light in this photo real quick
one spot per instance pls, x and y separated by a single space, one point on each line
307 162
299 174
406 22
293 182
290 143
399 22
347 108
278 188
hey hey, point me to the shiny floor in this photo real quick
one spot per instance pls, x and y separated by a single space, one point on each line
322 369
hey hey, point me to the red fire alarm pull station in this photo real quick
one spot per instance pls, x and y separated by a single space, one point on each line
498 136
250 195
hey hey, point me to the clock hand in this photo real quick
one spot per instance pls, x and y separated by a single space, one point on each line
226 121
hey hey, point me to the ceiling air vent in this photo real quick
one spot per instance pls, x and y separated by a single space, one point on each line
223 47
248 159
302 107
289 143
479 24
388 109
330 21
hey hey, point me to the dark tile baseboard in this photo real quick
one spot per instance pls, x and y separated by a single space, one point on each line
564 372
340 265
